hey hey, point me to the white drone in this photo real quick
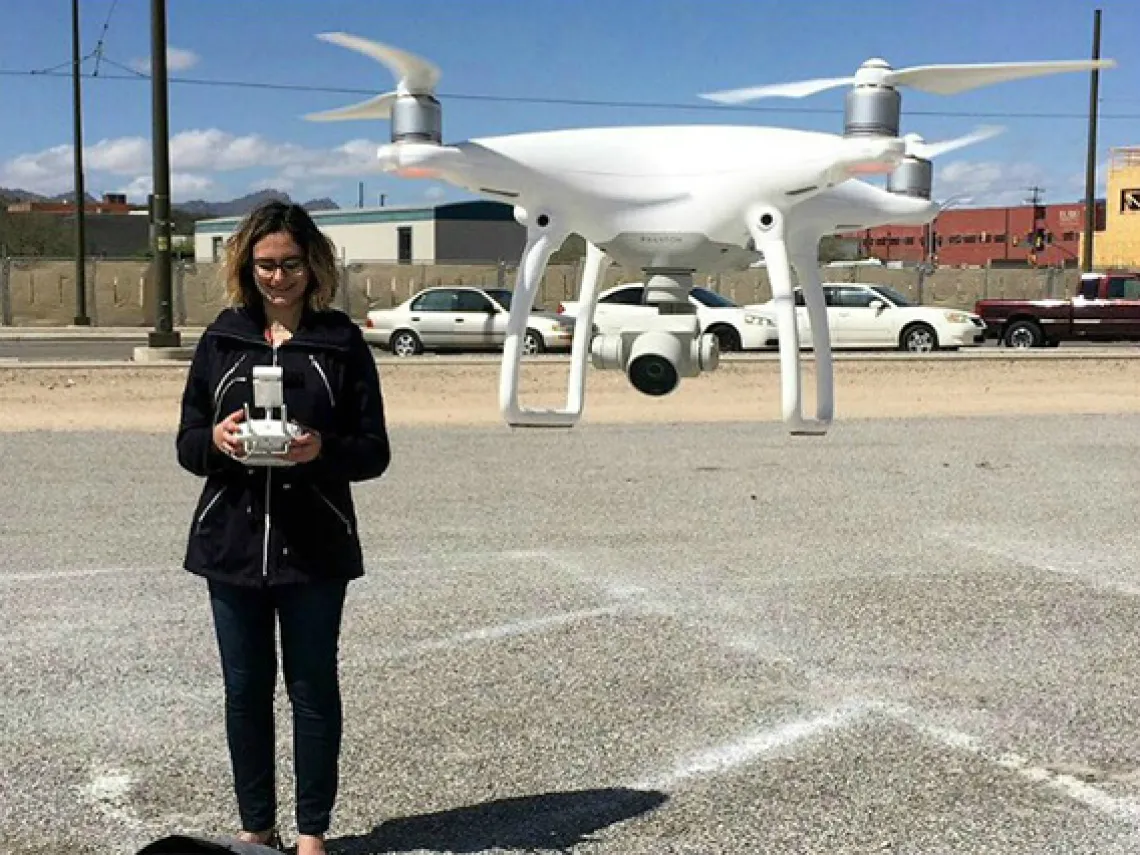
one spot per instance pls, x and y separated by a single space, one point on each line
671 200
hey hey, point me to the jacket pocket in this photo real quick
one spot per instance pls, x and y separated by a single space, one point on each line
341 516
210 506
324 379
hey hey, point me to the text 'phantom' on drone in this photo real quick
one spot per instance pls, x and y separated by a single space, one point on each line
671 200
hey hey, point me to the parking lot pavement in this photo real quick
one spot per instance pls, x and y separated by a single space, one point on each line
907 636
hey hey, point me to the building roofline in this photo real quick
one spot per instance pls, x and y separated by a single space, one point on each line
466 210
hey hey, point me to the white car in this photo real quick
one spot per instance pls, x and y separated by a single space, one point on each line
877 316
461 318
735 327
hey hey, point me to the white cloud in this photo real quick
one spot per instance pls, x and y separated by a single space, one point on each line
989 183
198 159
183 185
177 59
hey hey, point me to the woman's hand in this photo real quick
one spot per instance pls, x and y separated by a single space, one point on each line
225 433
305 447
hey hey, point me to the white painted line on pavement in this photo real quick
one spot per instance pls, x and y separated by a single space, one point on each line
1097 570
527 626
1069 785
109 792
724 758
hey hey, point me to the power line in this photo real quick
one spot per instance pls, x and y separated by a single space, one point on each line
102 38
573 102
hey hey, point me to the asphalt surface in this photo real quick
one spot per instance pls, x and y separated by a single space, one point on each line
910 636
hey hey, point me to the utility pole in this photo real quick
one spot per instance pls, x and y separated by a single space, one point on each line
1036 246
1090 163
164 334
81 317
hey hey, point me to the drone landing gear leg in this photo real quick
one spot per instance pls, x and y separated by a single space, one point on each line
805 260
596 263
769 231
544 236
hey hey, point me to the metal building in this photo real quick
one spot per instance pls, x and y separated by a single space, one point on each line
478 232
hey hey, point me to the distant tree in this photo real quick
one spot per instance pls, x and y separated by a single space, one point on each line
835 248
36 234
571 250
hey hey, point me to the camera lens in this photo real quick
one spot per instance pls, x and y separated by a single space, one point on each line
653 375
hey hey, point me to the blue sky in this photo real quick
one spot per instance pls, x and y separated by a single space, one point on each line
633 61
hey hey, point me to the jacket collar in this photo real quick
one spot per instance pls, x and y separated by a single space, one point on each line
329 329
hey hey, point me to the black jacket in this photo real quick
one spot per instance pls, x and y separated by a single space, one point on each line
259 525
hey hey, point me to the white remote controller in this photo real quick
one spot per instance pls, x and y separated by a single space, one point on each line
266 441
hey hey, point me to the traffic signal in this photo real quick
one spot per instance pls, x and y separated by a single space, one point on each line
1038 240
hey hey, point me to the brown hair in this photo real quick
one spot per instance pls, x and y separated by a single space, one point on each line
272 218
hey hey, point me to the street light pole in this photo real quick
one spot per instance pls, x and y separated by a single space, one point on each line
81 318
164 334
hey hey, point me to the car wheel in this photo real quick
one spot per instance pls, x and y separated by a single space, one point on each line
1023 334
533 342
405 343
919 338
727 339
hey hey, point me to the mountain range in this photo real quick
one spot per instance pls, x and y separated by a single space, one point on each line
195 208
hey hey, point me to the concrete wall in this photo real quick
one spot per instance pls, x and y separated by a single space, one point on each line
39 292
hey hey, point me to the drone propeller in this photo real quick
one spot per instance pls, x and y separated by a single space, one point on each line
914 176
917 147
936 79
414 76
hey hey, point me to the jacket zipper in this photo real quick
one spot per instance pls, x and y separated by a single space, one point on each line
213 501
324 379
268 487
335 510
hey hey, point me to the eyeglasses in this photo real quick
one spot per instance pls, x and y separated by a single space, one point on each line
289 266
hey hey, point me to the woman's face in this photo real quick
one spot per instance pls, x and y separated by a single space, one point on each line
280 270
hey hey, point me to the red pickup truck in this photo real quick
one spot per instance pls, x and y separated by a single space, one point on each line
1106 307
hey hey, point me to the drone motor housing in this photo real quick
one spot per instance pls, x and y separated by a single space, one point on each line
913 177
872 110
417 118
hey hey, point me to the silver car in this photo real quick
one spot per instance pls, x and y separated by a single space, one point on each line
461 318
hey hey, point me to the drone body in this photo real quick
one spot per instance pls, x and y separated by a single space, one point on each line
671 200
650 197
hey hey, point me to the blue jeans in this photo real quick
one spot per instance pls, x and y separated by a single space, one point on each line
310 620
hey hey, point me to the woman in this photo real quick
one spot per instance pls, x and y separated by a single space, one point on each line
281 543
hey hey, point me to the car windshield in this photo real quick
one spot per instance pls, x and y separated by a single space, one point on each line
501 296
892 295
712 299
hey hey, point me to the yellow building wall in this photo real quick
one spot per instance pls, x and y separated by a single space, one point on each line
1118 246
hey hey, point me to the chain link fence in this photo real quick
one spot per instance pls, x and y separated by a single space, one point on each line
120 292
